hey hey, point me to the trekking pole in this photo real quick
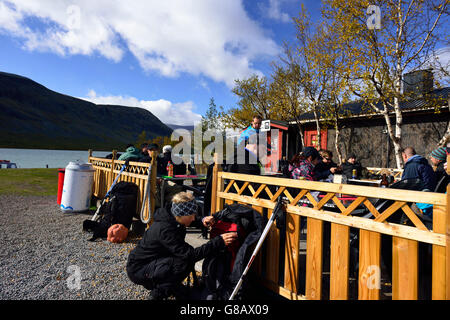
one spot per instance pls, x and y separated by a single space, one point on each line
276 212
107 193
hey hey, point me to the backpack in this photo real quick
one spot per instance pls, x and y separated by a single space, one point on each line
120 209
221 271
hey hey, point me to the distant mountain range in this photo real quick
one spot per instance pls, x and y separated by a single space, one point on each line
175 127
32 116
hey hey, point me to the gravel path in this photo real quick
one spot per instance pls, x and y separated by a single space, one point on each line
44 251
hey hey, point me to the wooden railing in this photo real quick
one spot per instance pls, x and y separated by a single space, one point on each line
106 170
314 263
396 173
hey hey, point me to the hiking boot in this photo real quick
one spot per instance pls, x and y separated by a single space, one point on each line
156 294
180 292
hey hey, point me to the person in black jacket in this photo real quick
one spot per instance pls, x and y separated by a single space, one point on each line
248 158
438 157
179 167
326 166
162 259
350 165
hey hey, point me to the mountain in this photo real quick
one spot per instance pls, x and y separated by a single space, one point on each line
176 126
32 116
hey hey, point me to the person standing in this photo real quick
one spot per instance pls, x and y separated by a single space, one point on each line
254 128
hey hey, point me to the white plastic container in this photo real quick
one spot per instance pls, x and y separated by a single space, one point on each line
77 189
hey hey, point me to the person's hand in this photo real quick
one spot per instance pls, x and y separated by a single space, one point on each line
208 221
229 237
333 170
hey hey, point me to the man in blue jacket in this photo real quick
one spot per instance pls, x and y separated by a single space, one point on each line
417 167
251 130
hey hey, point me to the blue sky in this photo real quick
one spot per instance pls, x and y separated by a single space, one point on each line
169 57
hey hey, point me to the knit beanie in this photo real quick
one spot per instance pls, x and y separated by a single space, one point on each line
439 154
184 208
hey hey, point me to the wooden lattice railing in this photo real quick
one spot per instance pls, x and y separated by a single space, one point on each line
396 173
106 170
291 263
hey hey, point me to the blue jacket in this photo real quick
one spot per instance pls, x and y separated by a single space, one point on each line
245 135
417 167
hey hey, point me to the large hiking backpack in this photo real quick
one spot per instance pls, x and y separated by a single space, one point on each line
120 209
222 271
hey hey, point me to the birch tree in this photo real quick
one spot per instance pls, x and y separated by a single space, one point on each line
403 41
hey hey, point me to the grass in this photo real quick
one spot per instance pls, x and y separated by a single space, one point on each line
33 182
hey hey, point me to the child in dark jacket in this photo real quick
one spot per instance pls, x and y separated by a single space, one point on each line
162 259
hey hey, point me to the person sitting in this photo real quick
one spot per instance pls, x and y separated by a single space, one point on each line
179 168
417 167
326 168
307 160
162 259
147 156
144 148
131 153
350 165
438 157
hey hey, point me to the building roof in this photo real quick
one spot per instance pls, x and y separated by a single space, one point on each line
437 98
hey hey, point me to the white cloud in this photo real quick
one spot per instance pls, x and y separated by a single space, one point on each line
210 38
166 111
273 11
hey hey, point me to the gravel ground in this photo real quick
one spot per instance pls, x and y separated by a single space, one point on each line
44 251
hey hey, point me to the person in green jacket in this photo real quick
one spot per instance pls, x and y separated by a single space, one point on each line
131 153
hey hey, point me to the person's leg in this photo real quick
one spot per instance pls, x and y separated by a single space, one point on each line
168 276
141 275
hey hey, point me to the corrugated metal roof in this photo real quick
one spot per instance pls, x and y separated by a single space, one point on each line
437 98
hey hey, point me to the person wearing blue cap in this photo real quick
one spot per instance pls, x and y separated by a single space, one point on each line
438 157
162 259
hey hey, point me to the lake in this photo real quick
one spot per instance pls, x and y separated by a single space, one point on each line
38 158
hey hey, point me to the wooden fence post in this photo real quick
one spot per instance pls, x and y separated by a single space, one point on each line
90 155
292 252
219 185
447 218
214 186
111 177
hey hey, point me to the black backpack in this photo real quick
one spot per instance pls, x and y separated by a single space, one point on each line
120 209
221 272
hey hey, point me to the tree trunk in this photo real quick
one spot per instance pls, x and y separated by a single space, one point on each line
392 136
445 136
336 141
318 130
300 132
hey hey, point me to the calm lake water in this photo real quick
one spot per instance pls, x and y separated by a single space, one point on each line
37 158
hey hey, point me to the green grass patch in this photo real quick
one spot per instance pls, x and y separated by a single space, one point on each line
34 182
